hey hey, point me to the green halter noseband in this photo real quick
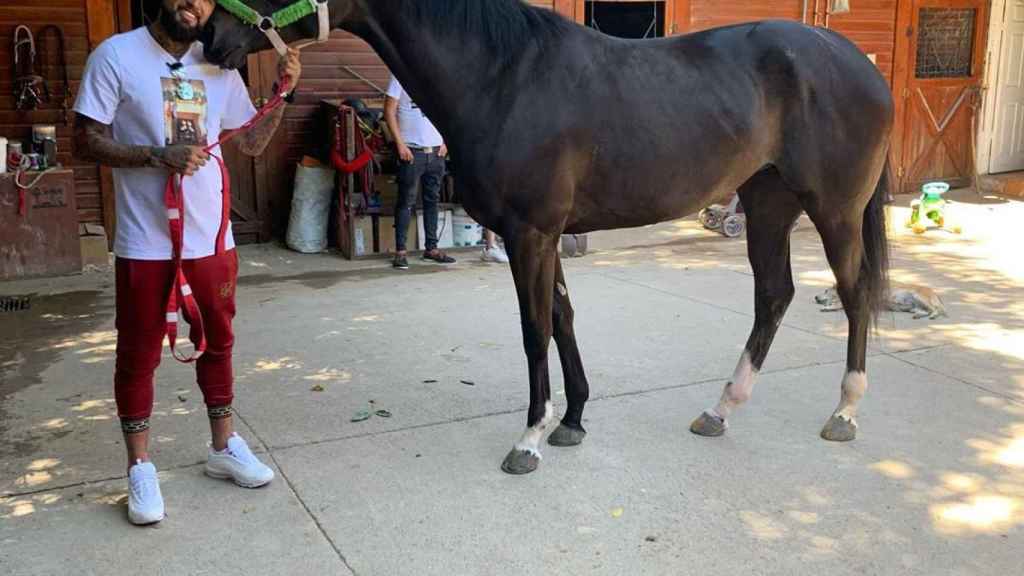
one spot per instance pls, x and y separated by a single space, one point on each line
280 19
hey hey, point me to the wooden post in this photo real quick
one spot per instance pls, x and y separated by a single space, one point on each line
124 15
350 178
566 8
102 19
347 184
679 17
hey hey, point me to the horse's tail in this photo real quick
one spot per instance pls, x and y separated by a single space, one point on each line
874 269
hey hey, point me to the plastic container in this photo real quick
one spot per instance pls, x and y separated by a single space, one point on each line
465 230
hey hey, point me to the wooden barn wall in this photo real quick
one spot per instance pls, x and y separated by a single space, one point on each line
871 24
711 13
70 15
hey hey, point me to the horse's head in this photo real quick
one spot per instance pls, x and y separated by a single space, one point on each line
238 28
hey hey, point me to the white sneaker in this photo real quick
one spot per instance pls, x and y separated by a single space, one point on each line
145 503
494 254
239 464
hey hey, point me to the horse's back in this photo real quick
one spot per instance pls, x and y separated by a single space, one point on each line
655 129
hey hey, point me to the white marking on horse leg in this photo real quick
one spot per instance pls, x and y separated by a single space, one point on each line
530 441
854 386
739 389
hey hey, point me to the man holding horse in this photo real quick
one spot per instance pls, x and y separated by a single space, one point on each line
138 89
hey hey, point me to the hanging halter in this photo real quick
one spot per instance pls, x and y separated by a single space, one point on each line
283 18
65 96
29 88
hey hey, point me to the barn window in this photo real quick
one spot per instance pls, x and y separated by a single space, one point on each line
945 43
626 19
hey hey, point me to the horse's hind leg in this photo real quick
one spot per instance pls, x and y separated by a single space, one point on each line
570 432
771 209
857 250
844 248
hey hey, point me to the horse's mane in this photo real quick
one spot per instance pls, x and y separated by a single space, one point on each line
506 27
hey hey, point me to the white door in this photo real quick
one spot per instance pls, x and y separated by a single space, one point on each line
1008 146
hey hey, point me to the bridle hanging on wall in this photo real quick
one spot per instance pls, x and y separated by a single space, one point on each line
65 93
29 88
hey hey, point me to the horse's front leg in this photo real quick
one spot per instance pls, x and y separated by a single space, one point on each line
532 255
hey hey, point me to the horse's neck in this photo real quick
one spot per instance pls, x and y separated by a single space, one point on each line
438 75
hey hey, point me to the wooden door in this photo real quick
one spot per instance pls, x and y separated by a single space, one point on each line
940 90
250 218
1008 144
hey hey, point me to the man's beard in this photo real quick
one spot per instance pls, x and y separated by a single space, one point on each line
176 30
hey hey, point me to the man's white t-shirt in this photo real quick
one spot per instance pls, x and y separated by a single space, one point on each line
128 84
417 130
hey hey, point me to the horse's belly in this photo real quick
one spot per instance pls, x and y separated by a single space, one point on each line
632 207
656 191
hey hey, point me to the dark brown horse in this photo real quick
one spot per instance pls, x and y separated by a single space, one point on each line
555 128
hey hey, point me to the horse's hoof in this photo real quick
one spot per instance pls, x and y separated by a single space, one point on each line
566 436
708 425
520 462
839 429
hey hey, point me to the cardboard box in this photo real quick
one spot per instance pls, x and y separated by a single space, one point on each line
387 235
386 185
362 236
93 239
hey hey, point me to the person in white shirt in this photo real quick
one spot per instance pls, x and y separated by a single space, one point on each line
421 153
148 104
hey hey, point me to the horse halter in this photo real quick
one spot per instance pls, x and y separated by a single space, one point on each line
283 18
29 88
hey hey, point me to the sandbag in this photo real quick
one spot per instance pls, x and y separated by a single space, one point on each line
311 207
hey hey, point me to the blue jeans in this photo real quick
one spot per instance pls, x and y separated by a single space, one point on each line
428 170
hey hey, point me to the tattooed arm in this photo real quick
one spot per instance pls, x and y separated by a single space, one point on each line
255 141
94 142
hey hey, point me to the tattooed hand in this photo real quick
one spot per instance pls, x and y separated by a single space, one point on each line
181 159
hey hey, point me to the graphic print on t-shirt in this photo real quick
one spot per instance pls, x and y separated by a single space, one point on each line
184 111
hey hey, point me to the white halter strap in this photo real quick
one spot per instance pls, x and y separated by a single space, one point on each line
323 18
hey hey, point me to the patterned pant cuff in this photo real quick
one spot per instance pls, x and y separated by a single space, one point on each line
135 426
218 412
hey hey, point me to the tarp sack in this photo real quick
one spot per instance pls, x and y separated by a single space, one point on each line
311 207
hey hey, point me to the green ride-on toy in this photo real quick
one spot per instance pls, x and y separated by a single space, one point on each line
930 206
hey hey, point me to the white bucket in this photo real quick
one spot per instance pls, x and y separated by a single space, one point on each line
465 231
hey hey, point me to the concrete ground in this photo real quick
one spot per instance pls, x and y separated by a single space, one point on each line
933 485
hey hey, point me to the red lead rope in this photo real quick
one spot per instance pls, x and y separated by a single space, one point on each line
174 200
